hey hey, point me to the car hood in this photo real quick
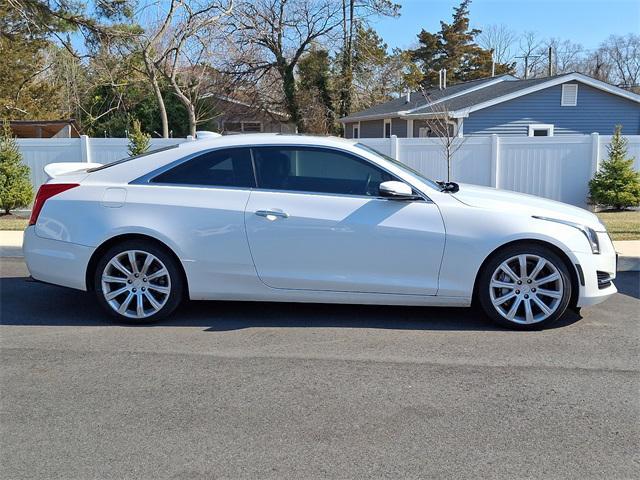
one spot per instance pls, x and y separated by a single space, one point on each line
513 202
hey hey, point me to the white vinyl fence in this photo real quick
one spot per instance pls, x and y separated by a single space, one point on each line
558 168
553 167
38 152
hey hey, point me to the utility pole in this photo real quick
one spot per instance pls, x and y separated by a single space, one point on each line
526 63
493 63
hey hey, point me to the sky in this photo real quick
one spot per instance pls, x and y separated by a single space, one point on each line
586 22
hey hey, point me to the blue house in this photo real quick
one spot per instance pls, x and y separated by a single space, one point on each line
569 104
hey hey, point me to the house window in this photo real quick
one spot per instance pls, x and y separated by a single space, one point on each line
387 128
569 95
356 131
252 126
541 130
247 127
424 132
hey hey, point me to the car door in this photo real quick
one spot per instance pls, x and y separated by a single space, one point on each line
316 222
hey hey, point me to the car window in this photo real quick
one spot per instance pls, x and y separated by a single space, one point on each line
312 169
222 168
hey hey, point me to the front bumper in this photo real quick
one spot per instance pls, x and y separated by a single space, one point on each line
53 261
592 293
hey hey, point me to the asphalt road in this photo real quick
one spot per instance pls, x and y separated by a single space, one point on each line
283 391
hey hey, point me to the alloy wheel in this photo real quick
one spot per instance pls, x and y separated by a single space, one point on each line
136 284
526 289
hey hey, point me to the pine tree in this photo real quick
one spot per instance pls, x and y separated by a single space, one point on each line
454 49
139 141
616 184
15 186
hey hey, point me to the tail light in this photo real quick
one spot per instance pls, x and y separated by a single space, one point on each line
45 192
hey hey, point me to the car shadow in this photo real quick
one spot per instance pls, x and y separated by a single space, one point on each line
31 303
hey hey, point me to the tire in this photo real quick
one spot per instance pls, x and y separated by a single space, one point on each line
152 289
541 297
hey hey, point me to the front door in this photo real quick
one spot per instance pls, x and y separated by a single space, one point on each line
316 222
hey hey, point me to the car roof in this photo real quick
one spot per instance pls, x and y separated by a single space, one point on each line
252 139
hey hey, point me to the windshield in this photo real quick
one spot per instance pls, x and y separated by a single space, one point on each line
126 159
401 165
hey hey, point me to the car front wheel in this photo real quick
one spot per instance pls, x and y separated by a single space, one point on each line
138 282
525 287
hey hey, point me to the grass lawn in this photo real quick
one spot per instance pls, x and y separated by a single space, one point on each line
13 222
622 225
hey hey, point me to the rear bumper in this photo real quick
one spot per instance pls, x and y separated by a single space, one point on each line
53 261
591 293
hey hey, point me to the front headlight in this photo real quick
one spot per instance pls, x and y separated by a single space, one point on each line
590 233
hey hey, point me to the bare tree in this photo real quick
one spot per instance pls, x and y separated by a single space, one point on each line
443 127
185 60
499 39
272 36
623 54
566 56
529 51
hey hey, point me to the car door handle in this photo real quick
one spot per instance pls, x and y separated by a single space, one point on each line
272 213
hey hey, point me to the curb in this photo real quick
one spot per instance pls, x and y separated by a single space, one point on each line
628 264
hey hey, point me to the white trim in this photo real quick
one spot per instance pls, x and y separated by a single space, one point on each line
387 121
541 86
541 126
564 102
460 122
353 127
401 113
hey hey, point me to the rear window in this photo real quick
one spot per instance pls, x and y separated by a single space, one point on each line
127 159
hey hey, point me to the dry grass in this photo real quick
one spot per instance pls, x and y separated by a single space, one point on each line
622 225
13 222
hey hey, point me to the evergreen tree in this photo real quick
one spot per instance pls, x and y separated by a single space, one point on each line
139 141
15 186
616 184
454 49
314 87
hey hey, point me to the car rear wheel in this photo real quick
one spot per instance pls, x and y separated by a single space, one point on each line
525 287
138 282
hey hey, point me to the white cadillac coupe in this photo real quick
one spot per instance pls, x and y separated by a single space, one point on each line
308 219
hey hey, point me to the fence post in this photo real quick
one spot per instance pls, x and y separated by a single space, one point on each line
394 147
595 153
495 161
85 149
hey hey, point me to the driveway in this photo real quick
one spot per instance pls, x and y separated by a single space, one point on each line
226 390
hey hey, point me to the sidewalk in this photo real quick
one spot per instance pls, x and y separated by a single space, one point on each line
629 250
629 259
10 243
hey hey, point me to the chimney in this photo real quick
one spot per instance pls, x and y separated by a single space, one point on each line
442 77
407 96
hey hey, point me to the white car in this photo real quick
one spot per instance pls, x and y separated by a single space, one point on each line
309 219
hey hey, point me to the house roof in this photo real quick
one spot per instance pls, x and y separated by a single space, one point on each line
461 99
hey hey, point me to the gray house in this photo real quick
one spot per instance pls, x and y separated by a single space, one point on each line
566 104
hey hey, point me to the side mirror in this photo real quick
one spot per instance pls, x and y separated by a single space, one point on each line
397 191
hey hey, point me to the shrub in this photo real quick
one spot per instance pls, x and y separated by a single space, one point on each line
139 141
15 186
616 184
